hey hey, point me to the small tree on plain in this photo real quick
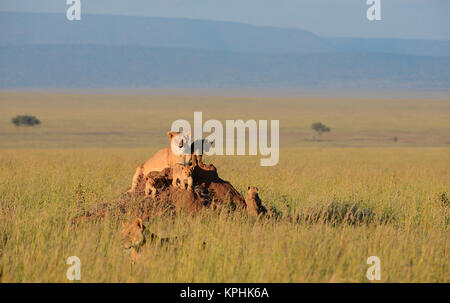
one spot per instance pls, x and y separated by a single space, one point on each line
320 128
25 120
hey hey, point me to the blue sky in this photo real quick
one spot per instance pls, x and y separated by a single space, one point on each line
419 19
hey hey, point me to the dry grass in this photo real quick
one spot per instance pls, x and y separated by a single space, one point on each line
90 120
340 205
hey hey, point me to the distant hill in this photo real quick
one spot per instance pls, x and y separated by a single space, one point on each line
33 28
47 51
30 28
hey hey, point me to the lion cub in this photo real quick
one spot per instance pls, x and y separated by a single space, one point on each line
253 202
198 148
150 187
182 176
155 180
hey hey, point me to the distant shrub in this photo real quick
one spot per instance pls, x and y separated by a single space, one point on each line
25 120
320 128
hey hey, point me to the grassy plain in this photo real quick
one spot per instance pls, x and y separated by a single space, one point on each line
95 141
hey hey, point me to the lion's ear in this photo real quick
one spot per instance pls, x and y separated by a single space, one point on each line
124 223
138 223
257 189
248 187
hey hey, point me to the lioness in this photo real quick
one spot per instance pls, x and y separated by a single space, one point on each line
134 236
253 202
177 152
182 176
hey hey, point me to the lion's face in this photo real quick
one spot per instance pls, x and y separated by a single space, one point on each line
180 143
186 171
132 234
252 190
184 174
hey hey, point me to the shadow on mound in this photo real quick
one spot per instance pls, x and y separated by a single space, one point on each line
209 191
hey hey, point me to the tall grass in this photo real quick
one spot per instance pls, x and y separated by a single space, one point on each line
339 206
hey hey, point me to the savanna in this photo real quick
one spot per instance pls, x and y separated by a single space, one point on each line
377 184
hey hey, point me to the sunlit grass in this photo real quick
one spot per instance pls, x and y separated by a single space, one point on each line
401 187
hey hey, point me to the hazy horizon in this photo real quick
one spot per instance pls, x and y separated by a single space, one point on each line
361 94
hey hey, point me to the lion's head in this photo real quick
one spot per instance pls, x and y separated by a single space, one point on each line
180 144
132 234
182 175
252 191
